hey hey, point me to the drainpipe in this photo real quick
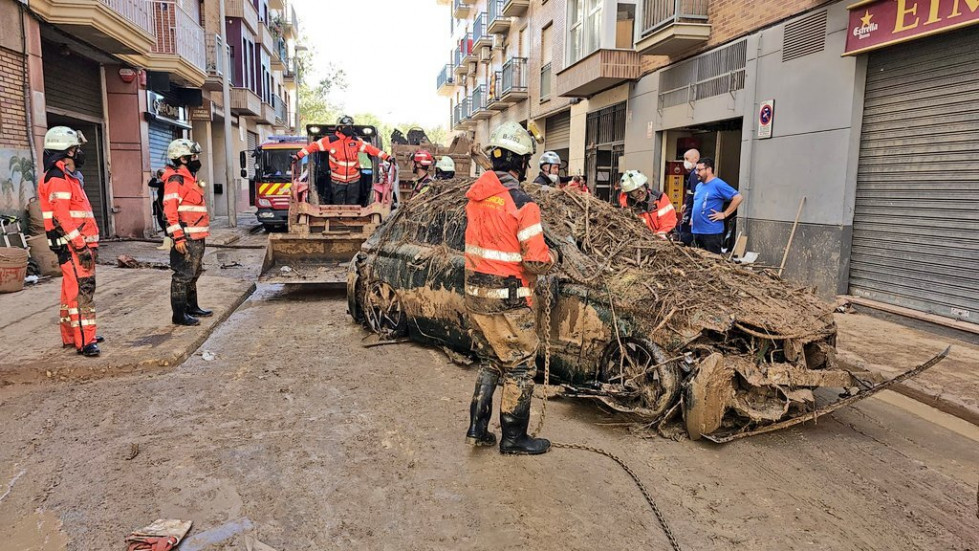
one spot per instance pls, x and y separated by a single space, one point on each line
749 129
230 190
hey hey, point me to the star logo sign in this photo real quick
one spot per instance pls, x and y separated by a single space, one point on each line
867 16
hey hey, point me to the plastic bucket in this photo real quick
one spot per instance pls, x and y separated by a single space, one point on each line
13 269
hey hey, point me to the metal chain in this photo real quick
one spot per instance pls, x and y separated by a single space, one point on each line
544 329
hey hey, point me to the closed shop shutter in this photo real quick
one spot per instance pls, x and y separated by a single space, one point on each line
160 137
72 83
916 221
557 131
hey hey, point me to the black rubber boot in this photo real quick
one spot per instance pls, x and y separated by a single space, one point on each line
178 303
90 350
515 439
193 308
481 409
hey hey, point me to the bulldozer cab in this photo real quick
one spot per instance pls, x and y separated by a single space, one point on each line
321 188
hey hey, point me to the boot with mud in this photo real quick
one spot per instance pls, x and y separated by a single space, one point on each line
193 308
515 418
178 303
481 409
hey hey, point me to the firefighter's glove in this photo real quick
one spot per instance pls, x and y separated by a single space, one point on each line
86 258
181 246
295 158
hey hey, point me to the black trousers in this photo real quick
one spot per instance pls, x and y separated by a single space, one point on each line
709 241
346 194
186 271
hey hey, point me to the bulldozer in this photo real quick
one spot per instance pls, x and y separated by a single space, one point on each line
403 148
321 237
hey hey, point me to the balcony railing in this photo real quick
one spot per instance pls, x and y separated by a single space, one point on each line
245 102
289 72
658 13
466 46
460 9
217 60
598 71
281 113
479 103
137 12
545 82
514 76
480 36
496 22
445 78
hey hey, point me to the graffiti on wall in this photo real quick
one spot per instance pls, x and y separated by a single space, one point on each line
18 181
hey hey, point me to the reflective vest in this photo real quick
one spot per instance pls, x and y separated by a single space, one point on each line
659 215
68 216
344 155
503 233
183 204
422 185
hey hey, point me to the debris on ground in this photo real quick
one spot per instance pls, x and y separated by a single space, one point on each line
208 356
133 451
235 264
162 535
126 261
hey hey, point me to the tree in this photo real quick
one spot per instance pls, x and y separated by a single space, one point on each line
437 135
315 102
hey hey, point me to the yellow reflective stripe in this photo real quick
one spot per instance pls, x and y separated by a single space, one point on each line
81 214
663 211
191 208
73 311
72 234
490 254
196 229
91 239
527 233
346 163
274 188
57 242
482 292
59 195
83 323
173 228
263 187
47 215
171 197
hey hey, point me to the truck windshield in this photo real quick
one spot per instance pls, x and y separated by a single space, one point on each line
275 164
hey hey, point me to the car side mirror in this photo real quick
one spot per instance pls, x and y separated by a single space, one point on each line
244 173
243 161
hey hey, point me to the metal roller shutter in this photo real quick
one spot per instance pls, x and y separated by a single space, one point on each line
916 223
160 137
557 131
72 83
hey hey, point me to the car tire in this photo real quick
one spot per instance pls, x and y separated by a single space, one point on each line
383 311
355 288
645 362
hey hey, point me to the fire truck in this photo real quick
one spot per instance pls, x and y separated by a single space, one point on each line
269 188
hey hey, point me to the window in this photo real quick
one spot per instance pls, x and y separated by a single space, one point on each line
584 28
546 44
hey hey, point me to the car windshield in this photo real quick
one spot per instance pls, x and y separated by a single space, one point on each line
275 164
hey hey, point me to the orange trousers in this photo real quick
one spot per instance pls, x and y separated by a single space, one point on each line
77 303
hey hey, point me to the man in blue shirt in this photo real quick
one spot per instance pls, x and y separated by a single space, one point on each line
707 218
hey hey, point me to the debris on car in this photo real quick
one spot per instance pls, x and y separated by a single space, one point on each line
652 329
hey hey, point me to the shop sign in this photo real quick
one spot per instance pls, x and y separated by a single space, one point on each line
766 117
202 113
159 107
878 23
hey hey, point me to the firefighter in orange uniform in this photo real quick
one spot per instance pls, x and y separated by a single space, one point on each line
344 149
652 207
72 234
188 224
505 251
422 162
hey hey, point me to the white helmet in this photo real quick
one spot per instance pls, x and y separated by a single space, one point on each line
61 138
512 137
549 158
182 148
446 164
632 180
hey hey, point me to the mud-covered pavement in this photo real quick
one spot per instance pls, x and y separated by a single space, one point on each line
298 436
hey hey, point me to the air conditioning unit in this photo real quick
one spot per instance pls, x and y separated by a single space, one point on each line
472 68
485 54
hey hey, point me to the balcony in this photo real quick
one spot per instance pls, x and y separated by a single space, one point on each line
217 62
244 10
180 48
245 102
480 36
495 90
479 104
460 9
460 116
670 27
497 23
545 82
466 46
277 5
599 71
290 23
266 114
266 39
445 83
281 112
458 66
115 26
515 8
513 80
279 55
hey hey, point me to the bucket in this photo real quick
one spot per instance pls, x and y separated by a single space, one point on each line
46 259
13 269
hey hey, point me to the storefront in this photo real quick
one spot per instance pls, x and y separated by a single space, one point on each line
167 121
916 217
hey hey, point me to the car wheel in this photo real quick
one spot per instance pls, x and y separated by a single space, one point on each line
383 311
648 382
355 289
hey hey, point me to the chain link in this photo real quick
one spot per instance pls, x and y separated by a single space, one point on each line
544 329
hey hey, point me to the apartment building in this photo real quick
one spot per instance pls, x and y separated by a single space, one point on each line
863 112
133 75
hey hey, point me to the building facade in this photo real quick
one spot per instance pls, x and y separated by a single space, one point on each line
859 117
133 75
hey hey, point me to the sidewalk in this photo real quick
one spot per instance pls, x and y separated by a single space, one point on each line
890 348
133 307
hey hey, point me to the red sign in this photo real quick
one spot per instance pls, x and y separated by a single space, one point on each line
878 23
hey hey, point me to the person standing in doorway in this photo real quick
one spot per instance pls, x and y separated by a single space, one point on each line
707 218
690 160
72 234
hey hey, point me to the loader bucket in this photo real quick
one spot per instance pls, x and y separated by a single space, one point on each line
313 259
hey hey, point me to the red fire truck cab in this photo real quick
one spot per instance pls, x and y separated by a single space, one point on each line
269 187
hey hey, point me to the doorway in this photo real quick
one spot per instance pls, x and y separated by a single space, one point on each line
93 172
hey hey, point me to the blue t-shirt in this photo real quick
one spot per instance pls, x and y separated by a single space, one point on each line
710 196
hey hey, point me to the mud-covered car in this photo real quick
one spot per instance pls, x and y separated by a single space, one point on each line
648 327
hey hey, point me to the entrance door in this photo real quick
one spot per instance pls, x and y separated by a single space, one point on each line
94 170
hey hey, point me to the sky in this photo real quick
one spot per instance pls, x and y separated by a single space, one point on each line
391 51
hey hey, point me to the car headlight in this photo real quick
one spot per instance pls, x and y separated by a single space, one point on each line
264 203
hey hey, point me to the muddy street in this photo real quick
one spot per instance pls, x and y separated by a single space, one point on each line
297 436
